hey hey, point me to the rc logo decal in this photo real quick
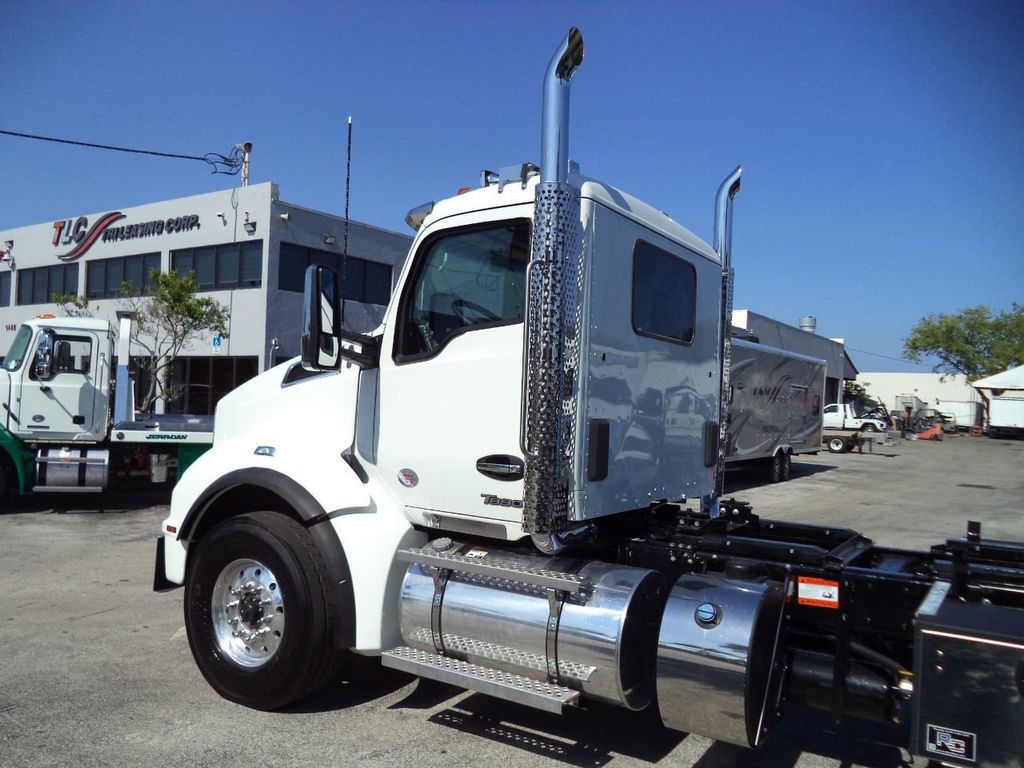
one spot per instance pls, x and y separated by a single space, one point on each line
408 478
949 742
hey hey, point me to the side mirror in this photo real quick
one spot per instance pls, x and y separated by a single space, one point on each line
321 320
43 367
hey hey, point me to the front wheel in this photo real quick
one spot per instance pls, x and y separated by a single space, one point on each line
774 468
257 611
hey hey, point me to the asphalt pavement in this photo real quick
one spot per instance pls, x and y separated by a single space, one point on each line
95 668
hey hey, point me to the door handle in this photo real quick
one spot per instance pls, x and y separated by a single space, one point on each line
500 466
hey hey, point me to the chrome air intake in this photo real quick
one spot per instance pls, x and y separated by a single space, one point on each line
551 345
594 635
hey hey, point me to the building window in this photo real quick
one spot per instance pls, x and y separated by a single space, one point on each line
105 277
362 280
5 289
664 294
222 267
39 285
202 381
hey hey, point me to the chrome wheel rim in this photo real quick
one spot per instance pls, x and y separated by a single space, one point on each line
247 609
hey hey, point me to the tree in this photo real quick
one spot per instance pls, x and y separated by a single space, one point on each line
165 323
973 342
72 305
855 393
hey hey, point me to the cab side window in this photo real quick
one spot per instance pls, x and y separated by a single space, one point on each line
72 354
664 294
466 279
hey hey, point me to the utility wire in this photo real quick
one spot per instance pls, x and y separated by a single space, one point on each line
886 357
226 165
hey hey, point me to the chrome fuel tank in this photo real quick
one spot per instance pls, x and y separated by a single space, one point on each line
716 653
600 640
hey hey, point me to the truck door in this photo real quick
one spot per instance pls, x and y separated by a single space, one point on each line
63 407
450 373
833 417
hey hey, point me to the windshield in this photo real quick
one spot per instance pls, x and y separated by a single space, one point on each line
16 355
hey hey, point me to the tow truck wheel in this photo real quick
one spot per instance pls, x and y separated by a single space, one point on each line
257 611
787 467
836 444
869 427
775 468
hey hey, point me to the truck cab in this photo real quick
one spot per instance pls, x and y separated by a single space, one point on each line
55 381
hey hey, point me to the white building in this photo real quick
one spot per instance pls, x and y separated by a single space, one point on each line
946 393
249 251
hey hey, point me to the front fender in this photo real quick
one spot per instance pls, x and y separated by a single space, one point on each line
357 526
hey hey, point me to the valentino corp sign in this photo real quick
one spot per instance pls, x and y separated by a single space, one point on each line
80 237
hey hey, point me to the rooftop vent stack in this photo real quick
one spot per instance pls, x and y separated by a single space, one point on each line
246 157
808 323
551 331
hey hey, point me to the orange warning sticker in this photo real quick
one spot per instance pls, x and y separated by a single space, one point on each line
819 593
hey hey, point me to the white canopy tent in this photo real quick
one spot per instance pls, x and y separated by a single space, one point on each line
1003 395
1012 378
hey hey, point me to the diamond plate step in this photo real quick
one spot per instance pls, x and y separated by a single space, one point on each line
507 568
502 685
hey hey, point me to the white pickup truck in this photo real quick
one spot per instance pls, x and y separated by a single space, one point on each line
844 416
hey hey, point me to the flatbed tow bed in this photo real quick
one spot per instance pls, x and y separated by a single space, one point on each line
845 440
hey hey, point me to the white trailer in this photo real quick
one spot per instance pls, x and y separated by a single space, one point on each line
962 414
63 421
480 493
1003 394
775 407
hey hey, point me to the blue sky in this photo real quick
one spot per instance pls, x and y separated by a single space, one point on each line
881 142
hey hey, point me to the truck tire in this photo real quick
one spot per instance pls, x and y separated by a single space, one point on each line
257 611
787 467
773 467
869 427
8 476
836 445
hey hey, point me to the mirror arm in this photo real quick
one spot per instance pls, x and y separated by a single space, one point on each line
369 357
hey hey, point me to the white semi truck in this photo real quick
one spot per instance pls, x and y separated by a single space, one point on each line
474 492
63 422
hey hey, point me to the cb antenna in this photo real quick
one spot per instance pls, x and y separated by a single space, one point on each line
348 182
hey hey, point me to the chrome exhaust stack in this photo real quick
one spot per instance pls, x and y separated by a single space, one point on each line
727 191
555 117
551 343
